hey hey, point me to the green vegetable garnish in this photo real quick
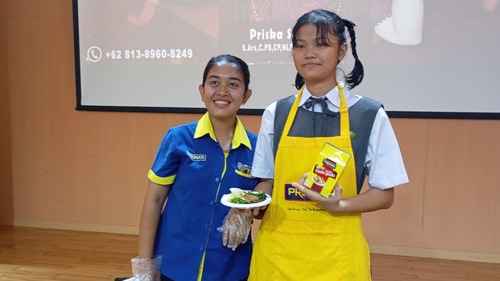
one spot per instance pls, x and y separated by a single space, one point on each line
247 197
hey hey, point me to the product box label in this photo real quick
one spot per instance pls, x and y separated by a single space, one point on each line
327 169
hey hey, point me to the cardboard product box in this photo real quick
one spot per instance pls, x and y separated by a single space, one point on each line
327 169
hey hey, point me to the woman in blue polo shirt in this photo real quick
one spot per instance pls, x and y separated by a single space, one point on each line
195 165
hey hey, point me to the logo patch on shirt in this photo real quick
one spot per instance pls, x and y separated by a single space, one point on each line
197 157
293 194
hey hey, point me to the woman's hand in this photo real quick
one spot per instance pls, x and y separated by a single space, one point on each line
236 228
371 200
332 203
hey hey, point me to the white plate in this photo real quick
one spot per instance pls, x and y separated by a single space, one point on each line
225 201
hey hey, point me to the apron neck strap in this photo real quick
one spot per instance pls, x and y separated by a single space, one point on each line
344 113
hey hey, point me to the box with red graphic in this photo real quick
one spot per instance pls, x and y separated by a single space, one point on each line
327 169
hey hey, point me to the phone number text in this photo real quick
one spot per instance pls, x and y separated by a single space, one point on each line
150 54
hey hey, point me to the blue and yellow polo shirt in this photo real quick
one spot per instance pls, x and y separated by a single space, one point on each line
200 172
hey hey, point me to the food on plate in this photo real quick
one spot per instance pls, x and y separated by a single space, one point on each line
239 196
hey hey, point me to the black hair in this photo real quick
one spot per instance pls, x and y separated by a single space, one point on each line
328 22
242 66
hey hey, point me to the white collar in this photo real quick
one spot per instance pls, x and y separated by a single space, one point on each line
333 96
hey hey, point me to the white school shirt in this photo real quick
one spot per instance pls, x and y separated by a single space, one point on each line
383 160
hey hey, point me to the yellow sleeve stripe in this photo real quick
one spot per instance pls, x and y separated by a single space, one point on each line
160 180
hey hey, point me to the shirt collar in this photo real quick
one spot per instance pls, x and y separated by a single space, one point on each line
205 127
332 96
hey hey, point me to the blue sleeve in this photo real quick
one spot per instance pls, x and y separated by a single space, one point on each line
166 163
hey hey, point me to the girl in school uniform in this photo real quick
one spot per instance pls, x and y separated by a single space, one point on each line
304 235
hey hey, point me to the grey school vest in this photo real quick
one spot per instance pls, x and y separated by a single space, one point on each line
361 116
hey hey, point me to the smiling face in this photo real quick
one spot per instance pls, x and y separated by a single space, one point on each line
314 60
224 90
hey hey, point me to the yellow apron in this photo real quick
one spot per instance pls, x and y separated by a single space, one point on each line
298 239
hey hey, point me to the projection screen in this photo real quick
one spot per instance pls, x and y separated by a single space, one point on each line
431 59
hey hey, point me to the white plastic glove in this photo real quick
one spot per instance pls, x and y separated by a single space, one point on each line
145 269
236 228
